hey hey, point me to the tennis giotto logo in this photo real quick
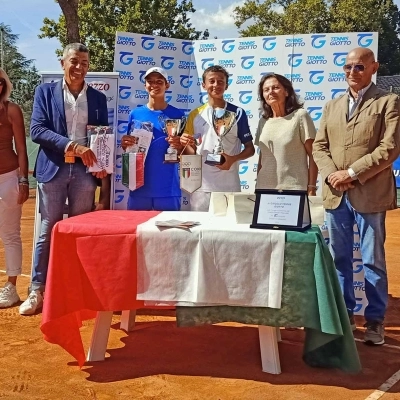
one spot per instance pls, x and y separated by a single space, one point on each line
167 62
268 62
228 45
148 42
318 59
294 77
186 81
295 42
339 59
227 63
269 43
340 41
295 60
207 47
247 45
365 39
316 77
125 57
163 45
187 48
315 113
126 41
318 41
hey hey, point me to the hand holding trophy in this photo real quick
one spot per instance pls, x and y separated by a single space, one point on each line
173 128
222 121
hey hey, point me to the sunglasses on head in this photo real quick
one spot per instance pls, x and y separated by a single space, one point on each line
2 81
355 68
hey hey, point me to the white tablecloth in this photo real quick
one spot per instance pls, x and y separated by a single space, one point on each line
217 262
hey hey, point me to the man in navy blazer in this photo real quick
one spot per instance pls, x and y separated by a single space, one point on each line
61 112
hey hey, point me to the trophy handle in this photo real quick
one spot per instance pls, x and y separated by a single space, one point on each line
183 125
161 120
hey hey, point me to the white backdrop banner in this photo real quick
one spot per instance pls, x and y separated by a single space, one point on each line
312 62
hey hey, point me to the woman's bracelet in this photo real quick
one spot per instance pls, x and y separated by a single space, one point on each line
312 186
23 180
23 183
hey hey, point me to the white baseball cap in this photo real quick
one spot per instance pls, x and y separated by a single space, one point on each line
159 70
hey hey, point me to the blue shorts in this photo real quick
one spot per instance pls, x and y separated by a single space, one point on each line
154 203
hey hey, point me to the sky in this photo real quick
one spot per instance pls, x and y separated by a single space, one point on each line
25 17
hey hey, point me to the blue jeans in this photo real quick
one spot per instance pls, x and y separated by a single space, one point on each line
73 183
372 239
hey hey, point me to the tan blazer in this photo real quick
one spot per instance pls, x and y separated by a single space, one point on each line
368 143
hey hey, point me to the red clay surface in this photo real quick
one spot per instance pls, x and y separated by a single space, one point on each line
162 362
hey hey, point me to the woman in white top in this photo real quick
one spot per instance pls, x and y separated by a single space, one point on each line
285 135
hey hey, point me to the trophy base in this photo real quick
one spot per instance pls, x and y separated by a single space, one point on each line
171 159
214 159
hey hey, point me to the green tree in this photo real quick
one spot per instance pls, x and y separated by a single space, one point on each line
100 19
22 73
282 17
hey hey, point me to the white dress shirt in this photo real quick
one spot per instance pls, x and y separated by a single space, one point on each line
76 115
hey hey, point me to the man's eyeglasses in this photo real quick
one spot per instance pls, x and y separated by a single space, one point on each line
355 68
2 81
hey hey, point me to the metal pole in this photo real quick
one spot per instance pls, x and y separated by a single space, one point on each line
2 47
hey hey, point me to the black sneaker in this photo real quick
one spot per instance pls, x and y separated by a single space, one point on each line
374 334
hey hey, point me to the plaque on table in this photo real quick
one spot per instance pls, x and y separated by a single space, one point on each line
281 209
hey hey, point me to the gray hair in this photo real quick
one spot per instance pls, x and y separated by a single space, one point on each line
79 47
6 91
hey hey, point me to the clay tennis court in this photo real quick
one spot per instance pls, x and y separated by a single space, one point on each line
159 361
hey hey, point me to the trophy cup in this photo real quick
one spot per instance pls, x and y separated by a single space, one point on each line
173 127
222 121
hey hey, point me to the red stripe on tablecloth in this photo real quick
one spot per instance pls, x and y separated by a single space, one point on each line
86 274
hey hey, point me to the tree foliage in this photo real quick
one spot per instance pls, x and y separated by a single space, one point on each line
22 73
100 19
282 17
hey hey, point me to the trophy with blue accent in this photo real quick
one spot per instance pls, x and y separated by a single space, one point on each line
172 127
222 121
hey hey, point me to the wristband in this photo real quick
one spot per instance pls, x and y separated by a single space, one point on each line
312 186
23 179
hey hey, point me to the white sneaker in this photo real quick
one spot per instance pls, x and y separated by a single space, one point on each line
32 303
8 295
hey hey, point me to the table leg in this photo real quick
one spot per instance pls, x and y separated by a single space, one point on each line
278 334
128 320
98 344
269 349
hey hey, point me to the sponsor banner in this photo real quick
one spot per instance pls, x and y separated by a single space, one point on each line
312 62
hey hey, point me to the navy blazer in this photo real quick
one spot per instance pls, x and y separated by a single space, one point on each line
49 127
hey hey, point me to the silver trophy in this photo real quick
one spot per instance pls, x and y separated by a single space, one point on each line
222 121
172 127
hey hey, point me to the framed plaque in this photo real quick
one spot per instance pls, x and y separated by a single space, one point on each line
281 209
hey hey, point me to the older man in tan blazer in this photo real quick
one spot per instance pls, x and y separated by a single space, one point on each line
354 149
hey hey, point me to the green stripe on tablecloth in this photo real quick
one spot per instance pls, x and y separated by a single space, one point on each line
311 298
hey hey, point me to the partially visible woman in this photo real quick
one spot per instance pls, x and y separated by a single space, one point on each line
14 188
285 135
